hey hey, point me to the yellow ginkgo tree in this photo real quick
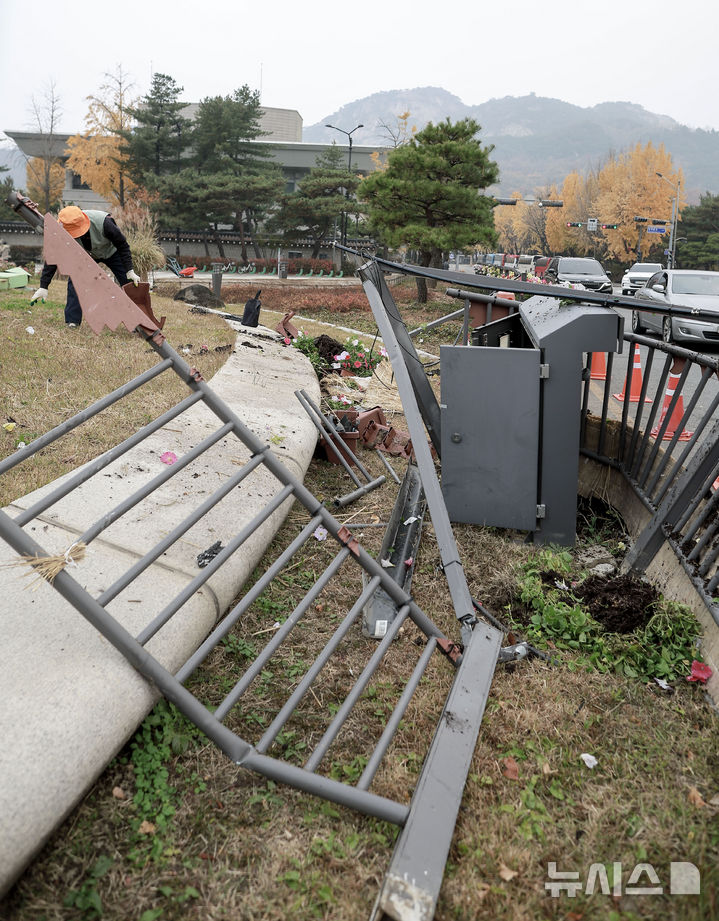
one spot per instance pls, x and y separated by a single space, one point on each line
98 155
630 186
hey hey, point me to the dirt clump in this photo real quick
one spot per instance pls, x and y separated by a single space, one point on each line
621 604
328 348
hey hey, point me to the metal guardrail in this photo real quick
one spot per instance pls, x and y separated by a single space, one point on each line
668 452
222 707
666 444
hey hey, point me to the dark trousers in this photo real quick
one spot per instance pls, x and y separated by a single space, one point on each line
73 310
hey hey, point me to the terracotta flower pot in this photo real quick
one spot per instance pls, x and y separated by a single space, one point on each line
349 438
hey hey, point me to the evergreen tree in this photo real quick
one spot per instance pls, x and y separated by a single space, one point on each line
162 135
233 163
428 197
316 208
700 226
229 177
6 187
227 130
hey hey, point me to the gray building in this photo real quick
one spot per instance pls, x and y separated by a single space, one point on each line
283 135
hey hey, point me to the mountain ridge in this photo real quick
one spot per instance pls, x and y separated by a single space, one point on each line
537 140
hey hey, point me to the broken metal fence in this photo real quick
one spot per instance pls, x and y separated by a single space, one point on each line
454 741
665 442
348 580
667 450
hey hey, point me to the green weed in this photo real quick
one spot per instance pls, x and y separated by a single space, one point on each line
308 347
663 648
87 899
164 734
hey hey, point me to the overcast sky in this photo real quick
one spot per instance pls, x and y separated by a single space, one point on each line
317 56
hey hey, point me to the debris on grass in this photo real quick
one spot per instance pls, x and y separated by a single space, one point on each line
699 672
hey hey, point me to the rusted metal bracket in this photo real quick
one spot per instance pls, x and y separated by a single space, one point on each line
140 294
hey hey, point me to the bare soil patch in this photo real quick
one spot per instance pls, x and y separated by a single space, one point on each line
621 604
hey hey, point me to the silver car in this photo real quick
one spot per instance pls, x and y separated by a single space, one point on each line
680 288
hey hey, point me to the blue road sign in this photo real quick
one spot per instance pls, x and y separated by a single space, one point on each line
656 230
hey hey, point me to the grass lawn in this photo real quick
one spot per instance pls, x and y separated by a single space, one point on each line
173 830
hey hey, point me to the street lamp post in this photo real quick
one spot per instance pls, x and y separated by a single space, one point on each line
349 170
675 214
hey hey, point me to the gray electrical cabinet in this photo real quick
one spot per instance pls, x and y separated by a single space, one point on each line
510 417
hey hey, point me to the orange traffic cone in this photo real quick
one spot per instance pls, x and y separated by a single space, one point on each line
635 384
677 414
598 371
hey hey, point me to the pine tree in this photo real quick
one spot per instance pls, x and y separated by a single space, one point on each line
429 197
315 210
161 137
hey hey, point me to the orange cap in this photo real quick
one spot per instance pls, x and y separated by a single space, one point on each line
74 220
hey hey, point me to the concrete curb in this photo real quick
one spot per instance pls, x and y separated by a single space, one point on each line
68 700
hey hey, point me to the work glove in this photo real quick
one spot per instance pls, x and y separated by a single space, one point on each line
133 277
39 295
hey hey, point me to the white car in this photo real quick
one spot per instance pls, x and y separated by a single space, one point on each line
638 275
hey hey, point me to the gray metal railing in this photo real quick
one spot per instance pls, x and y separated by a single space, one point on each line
661 431
220 715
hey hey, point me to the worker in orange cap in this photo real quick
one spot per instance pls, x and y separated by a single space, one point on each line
99 235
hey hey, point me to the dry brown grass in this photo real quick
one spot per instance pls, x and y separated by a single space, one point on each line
52 374
240 847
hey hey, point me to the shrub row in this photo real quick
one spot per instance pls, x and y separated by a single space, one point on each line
301 300
294 266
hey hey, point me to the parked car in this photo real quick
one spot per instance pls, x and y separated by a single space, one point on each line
525 263
638 275
680 288
578 271
540 265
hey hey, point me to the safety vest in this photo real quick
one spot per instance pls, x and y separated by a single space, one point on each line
100 246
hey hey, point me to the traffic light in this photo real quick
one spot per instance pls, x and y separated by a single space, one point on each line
550 203
609 226
656 221
641 220
505 201
574 223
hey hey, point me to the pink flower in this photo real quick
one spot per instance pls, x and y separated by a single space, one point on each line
169 458
287 341
358 364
